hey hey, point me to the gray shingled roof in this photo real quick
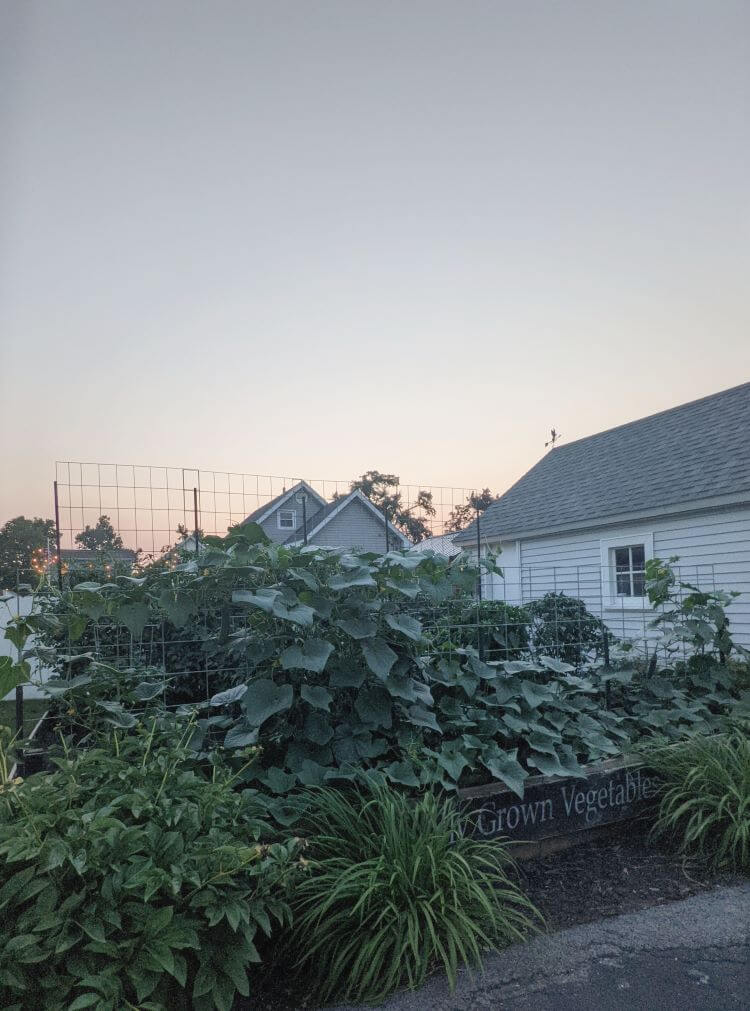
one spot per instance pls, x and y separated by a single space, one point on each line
272 503
694 451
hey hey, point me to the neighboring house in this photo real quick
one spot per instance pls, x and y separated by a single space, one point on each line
351 521
589 515
442 544
84 559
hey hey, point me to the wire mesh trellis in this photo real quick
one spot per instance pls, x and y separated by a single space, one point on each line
146 504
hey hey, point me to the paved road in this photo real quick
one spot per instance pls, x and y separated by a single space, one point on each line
684 956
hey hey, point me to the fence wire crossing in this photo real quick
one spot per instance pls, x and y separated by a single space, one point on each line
147 504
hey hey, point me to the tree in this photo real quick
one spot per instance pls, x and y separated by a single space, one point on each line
382 491
101 537
463 515
23 550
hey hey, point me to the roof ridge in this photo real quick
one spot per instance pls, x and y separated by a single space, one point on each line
647 417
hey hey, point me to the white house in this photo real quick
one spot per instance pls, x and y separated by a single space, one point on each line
351 521
586 518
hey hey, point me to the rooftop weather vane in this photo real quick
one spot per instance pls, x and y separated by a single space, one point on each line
554 436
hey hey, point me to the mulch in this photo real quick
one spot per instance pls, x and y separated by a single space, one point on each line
618 873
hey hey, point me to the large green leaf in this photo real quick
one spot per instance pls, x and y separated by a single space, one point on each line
406 625
535 695
229 696
134 617
241 735
262 598
558 765
316 696
294 611
357 628
373 706
379 656
401 772
312 656
453 759
422 717
11 674
320 604
305 577
347 677
505 766
264 698
317 727
178 605
361 576
558 666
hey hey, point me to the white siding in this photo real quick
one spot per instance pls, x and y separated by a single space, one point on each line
355 526
713 550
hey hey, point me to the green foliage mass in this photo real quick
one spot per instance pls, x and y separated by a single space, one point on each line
321 657
128 878
392 890
705 796
20 538
563 627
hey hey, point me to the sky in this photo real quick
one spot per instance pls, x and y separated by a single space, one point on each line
319 238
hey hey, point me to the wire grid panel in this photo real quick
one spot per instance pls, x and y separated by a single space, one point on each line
146 504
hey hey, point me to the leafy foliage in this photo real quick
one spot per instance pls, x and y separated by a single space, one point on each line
382 490
563 627
337 669
462 515
99 537
690 617
705 799
23 546
129 879
393 889
499 631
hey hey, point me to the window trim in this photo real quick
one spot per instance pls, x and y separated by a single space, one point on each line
626 539
283 526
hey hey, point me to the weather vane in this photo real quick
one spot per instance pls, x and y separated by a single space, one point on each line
554 436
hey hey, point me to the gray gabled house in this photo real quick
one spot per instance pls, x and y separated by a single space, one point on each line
586 518
351 521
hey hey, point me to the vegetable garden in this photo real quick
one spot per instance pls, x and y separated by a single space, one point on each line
214 712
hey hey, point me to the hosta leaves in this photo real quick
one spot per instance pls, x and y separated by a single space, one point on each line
312 656
379 656
264 698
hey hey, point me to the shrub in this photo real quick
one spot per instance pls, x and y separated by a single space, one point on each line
499 630
564 628
705 799
393 890
127 878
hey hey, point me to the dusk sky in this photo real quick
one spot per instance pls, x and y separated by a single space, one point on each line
313 238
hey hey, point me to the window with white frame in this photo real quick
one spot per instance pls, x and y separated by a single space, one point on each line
624 568
287 519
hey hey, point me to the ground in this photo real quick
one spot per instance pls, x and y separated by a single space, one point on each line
685 956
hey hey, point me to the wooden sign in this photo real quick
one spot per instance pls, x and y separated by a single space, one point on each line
552 806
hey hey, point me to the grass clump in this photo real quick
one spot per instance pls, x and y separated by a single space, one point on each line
393 889
705 798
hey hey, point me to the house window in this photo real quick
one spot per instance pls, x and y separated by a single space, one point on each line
629 564
623 559
287 519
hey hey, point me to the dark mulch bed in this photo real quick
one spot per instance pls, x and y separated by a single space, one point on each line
618 872
615 874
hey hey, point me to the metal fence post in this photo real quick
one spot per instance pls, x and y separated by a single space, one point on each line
195 517
385 526
57 541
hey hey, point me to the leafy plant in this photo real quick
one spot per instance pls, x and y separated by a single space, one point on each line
129 879
392 889
705 797
563 627
499 631
689 616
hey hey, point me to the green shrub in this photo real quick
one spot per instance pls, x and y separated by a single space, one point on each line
499 630
705 798
129 879
394 890
564 628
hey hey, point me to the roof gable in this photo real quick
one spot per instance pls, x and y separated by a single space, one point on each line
263 512
327 513
698 450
